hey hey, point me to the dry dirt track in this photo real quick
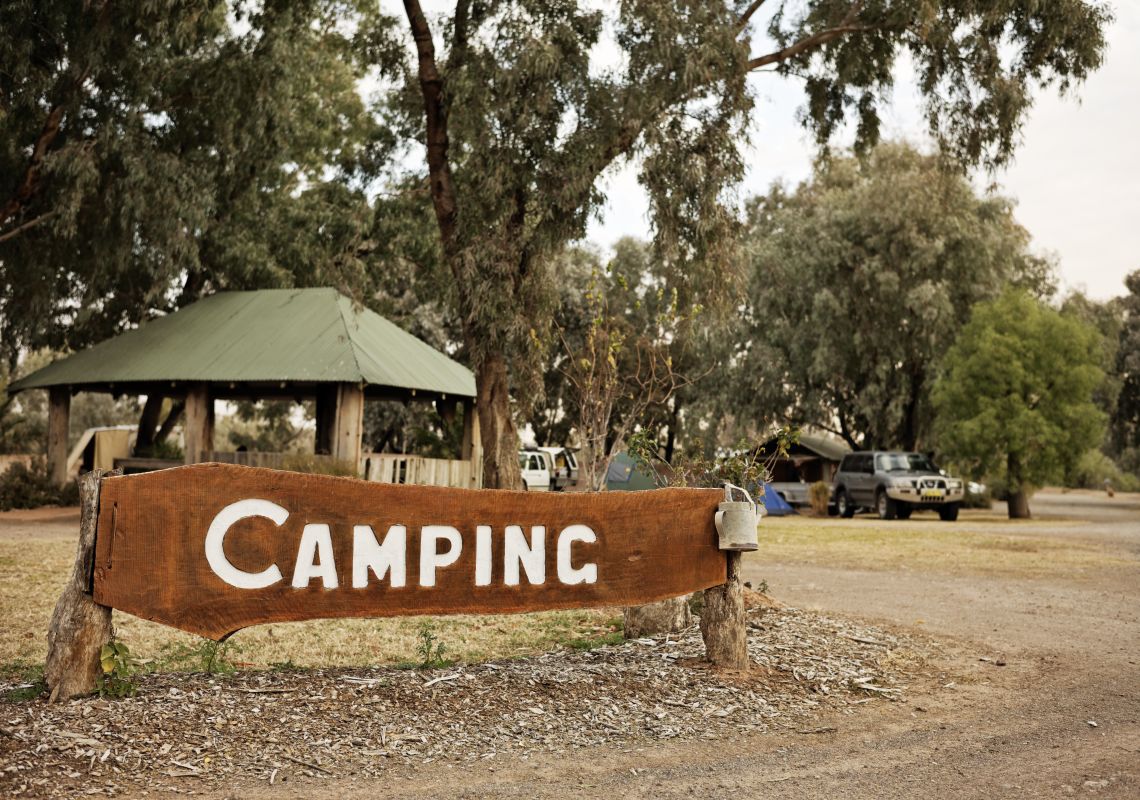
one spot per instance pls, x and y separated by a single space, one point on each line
1070 654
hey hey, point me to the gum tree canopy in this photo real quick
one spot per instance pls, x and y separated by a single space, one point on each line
522 105
153 152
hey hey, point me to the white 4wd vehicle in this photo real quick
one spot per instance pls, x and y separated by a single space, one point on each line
536 469
895 484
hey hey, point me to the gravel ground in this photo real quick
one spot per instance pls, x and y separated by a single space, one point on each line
193 733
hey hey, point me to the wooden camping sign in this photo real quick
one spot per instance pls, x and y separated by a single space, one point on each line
213 548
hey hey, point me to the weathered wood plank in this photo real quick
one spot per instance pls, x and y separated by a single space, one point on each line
151 558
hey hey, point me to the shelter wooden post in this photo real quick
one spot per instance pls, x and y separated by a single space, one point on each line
326 420
722 620
472 449
348 430
79 626
59 416
198 435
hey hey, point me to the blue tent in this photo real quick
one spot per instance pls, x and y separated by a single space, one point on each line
775 505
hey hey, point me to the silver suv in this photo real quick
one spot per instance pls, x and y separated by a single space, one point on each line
895 484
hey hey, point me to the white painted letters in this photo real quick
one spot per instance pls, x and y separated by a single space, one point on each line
430 557
440 546
389 558
532 557
315 538
482 555
216 535
587 573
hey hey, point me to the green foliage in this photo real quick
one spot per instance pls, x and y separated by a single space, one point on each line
819 495
430 648
1094 468
1124 440
30 486
267 426
207 656
172 148
522 119
118 668
861 279
1015 399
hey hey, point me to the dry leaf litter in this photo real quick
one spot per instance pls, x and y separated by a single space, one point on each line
182 732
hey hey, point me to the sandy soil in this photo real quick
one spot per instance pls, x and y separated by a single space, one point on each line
1038 695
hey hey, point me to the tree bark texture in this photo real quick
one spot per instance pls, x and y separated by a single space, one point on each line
667 616
79 626
59 416
722 620
1019 505
500 437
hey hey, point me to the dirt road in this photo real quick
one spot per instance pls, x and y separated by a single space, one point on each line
1041 695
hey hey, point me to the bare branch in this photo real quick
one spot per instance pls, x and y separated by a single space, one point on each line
29 182
815 40
435 115
748 12
12 234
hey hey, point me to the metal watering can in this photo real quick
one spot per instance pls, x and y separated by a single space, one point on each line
736 521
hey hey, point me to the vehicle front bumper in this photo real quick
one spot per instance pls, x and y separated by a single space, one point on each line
925 497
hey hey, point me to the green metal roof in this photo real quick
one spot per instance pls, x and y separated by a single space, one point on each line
273 335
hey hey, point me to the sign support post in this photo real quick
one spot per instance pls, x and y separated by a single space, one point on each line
79 626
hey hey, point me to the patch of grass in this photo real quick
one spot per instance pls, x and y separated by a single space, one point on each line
33 571
28 678
929 546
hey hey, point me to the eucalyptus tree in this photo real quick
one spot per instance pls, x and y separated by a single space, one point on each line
862 278
520 112
153 152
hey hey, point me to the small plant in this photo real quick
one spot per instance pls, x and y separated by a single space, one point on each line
430 649
819 495
207 656
118 671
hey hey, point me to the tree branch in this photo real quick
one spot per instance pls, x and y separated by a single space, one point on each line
748 12
12 234
435 116
29 182
815 40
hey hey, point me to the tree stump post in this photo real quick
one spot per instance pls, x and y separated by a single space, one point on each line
79 626
667 616
722 620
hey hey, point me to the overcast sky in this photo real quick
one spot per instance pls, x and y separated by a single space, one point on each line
1076 175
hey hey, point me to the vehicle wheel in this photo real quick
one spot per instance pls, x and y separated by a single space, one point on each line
886 507
948 512
844 505
904 510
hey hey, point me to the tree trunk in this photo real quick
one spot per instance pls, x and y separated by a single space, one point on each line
79 626
722 620
674 424
171 420
497 429
667 616
1018 502
148 424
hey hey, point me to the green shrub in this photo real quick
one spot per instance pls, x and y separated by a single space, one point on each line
1094 467
819 495
981 499
30 486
